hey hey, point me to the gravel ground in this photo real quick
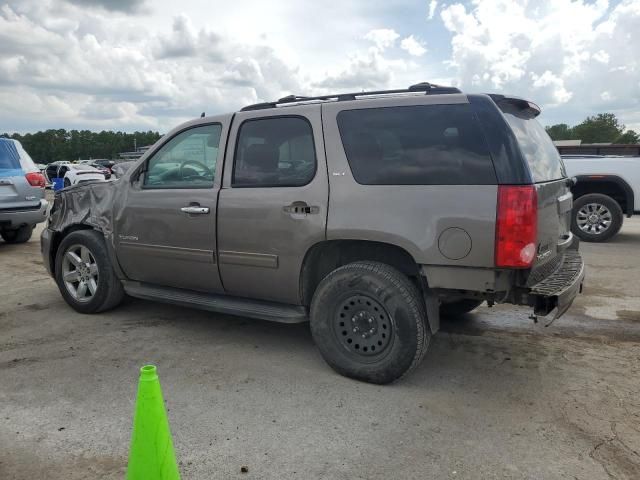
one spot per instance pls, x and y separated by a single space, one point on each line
496 397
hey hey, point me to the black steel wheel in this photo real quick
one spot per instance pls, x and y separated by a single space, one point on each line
369 322
363 326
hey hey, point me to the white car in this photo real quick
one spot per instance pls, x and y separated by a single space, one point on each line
79 173
607 189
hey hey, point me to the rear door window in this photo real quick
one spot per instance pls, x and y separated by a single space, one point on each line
537 147
416 145
274 152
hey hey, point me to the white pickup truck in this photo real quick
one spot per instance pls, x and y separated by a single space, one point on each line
607 189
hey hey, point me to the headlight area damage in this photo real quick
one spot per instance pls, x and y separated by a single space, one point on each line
82 206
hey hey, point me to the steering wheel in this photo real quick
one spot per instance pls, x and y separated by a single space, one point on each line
193 162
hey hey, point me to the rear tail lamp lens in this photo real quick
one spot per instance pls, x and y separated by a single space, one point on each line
516 226
36 179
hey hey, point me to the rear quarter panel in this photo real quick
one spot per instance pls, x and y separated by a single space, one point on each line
413 217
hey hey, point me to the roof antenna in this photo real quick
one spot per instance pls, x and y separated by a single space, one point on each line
202 115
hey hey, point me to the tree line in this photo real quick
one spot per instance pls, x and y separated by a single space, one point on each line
601 128
55 145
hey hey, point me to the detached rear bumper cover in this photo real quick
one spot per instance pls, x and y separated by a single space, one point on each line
557 291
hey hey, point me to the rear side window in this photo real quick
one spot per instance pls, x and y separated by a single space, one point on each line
274 152
537 147
416 145
14 160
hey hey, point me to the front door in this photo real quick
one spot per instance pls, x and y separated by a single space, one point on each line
273 204
165 221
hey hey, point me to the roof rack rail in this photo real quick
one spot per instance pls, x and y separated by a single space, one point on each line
428 88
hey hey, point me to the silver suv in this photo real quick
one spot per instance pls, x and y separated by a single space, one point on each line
22 203
368 214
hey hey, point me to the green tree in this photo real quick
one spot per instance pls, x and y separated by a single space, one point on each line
603 127
560 131
628 137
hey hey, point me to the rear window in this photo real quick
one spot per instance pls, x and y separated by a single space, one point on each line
9 156
541 155
416 145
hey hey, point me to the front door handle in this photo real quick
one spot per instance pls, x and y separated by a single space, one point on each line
195 210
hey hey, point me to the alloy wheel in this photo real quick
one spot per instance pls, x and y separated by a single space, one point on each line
594 218
80 273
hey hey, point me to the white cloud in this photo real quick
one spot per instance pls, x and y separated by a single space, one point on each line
383 38
413 46
433 4
560 53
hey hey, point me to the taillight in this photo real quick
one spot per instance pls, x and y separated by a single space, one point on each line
36 179
516 226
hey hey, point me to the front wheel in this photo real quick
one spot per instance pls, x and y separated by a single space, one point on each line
596 217
84 274
67 183
369 322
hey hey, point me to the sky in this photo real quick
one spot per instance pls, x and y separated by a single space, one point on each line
151 64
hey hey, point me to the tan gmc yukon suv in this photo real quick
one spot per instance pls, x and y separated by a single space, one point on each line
368 214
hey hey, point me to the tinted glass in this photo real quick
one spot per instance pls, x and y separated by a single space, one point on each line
417 145
188 160
274 152
537 147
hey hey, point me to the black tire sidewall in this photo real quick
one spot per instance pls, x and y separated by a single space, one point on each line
21 235
610 203
405 314
94 242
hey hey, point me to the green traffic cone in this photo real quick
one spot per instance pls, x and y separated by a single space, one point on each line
151 455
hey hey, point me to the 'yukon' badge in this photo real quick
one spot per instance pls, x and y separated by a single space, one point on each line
128 237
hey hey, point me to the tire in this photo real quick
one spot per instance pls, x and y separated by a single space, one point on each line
360 295
107 290
67 183
459 307
604 209
21 235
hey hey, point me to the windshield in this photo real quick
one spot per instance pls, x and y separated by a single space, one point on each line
544 160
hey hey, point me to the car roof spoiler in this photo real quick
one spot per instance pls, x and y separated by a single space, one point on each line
519 106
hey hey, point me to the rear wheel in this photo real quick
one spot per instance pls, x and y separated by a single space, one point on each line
369 322
459 307
20 235
84 274
596 217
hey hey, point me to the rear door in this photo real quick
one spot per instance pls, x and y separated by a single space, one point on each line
547 172
273 204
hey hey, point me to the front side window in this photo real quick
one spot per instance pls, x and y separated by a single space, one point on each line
416 145
274 152
188 160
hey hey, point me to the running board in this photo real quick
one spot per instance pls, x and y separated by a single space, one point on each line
263 310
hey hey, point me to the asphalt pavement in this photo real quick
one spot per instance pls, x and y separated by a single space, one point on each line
496 397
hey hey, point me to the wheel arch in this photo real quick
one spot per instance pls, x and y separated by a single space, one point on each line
611 185
324 257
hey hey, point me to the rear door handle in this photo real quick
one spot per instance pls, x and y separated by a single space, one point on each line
195 210
300 208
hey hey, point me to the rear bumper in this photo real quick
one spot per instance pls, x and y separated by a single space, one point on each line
555 293
31 216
